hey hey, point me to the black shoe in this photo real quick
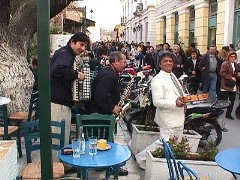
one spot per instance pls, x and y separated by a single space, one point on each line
225 129
70 170
230 117
123 172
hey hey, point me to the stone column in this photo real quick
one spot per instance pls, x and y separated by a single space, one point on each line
160 31
201 25
183 27
170 29
220 24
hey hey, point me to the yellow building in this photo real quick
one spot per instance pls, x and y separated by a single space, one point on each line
203 22
214 22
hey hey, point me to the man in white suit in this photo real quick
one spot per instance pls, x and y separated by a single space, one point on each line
167 95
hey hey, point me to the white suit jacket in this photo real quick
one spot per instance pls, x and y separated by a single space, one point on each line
164 95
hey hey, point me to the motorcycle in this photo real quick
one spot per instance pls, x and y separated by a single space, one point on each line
205 119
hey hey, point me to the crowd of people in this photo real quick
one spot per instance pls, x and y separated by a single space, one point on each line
216 72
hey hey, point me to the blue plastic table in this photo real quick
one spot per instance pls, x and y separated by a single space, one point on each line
229 160
111 160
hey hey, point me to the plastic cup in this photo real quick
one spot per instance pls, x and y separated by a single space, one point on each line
76 144
92 146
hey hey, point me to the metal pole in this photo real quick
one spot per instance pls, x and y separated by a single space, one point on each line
43 31
85 19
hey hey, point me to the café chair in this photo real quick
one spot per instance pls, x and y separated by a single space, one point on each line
191 174
33 170
176 169
99 125
7 131
32 114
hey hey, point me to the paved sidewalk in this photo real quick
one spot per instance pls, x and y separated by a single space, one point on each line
122 137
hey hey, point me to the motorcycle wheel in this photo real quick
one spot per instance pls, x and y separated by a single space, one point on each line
210 131
133 120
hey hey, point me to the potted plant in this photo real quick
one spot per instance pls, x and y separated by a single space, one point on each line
144 135
202 163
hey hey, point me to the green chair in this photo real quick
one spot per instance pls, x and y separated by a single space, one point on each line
99 125
33 170
32 114
6 131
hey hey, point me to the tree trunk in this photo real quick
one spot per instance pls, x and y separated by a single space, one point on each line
18 23
16 79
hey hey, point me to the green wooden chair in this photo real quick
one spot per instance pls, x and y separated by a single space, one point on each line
32 114
98 125
33 170
7 131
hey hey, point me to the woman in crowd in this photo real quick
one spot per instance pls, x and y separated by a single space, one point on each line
228 91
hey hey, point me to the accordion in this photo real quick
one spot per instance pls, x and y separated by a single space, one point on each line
82 89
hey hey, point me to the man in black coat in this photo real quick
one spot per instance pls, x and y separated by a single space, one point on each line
192 69
62 77
106 89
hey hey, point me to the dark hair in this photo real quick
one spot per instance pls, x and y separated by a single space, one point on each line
115 55
194 51
34 61
231 46
232 53
165 54
90 54
79 36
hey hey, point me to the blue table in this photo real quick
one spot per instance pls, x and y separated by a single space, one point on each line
229 160
111 160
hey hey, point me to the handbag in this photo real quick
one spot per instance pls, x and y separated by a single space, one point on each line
230 83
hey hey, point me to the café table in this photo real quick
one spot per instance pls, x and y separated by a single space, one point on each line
4 100
229 160
110 160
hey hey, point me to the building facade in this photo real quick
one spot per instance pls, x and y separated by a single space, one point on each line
204 22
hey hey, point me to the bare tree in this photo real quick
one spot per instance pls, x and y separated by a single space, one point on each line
18 23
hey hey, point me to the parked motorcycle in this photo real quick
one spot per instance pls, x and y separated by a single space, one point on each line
205 118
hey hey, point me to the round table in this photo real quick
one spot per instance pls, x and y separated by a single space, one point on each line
112 158
229 160
4 100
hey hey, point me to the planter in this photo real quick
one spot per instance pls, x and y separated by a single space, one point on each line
142 139
193 139
156 168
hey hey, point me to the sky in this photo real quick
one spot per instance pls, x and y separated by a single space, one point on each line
106 13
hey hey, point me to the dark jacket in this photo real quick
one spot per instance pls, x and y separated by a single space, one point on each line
105 92
189 68
149 60
62 76
178 71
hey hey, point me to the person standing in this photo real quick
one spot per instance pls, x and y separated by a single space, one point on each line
227 72
178 62
167 96
34 68
210 66
106 89
62 77
149 59
191 69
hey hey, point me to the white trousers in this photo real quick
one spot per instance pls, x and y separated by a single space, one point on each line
166 134
59 112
